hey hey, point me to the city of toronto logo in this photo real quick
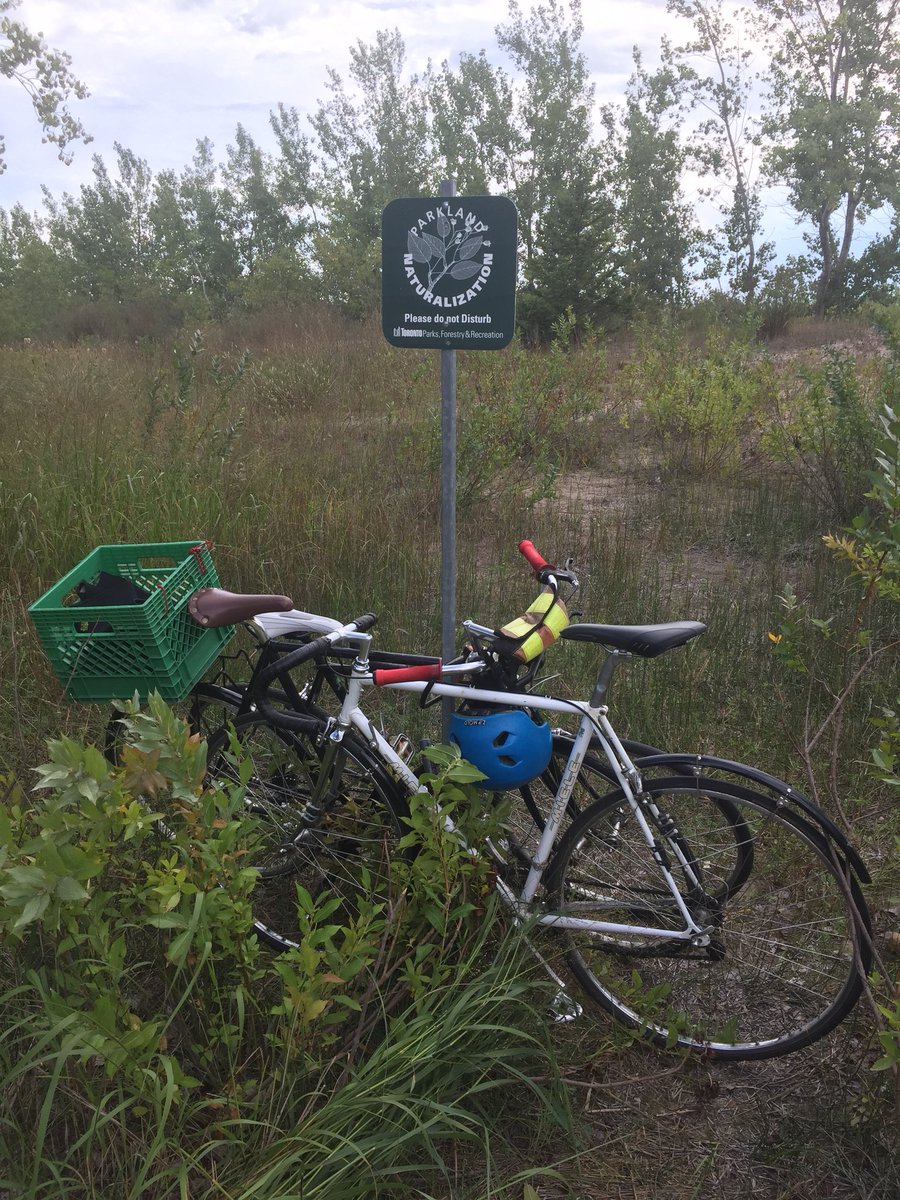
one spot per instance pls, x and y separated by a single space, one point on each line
448 259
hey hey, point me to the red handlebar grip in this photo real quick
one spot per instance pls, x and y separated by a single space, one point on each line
419 674
535 559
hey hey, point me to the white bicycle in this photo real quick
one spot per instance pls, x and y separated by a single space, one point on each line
702 901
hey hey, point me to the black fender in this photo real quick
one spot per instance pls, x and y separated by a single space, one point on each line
698 763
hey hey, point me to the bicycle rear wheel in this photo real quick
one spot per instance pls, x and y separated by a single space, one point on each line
596 780
207 709
344 851
787 944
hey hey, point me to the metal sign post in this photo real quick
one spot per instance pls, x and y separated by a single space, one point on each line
448 505
448 282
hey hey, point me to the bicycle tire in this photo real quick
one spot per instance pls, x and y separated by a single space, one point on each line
346 853
790 947
595 781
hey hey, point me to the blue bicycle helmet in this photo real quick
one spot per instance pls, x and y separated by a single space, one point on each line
508 746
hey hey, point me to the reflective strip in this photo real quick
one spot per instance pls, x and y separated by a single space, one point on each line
551 619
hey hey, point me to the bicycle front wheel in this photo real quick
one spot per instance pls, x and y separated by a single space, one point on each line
787 943
344 850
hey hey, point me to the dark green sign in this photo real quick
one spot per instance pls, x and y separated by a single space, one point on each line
448 272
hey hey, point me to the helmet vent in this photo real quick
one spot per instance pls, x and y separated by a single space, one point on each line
502 738
507 761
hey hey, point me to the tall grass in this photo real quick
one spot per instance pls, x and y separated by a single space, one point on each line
313 469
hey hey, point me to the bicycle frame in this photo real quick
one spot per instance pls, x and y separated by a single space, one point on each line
594 722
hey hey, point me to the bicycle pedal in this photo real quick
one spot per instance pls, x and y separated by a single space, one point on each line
563 1009
403 747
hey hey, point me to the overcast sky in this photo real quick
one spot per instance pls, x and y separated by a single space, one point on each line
163 73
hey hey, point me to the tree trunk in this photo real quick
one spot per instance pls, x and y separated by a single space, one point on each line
825 246
844 252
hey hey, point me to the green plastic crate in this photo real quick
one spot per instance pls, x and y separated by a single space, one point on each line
153 646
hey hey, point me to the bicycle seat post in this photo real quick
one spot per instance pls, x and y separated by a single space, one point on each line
604 679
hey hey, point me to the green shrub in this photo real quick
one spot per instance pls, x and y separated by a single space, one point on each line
698 402
862 629
156 1049
824 430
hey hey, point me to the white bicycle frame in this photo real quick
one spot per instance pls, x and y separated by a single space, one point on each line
594 723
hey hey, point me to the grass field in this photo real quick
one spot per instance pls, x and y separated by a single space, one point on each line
687 475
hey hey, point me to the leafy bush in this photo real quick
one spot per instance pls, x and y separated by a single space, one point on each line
698 403
825 430
864 636
786 296
157 1050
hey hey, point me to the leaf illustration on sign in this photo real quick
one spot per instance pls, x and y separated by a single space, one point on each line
448 248
465 270
418 249
436 245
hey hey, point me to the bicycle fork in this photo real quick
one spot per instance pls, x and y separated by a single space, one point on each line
331 766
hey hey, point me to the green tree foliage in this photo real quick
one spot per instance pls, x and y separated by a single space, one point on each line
834 117
527 134
476 133
656 230
46 75
874 275
212 259
566 219
106 233
370 151
33 285
606 230
254 215
720 84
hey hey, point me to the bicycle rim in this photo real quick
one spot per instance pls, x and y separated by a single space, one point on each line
780 971
345 852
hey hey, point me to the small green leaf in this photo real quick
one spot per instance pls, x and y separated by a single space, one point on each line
34 909
69 889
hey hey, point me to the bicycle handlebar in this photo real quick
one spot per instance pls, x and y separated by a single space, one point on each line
364 623
537 561
417 674
311 650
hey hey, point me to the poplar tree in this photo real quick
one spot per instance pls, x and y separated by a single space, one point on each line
722 86
657 230
374 144
566 217
834 118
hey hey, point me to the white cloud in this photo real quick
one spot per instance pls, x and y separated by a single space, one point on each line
163 73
